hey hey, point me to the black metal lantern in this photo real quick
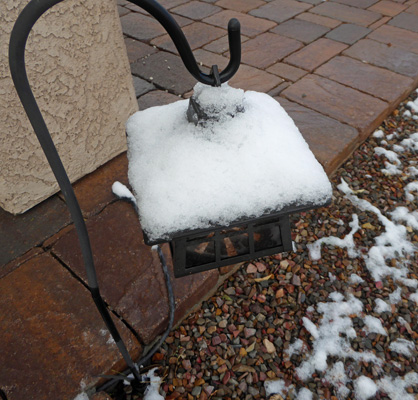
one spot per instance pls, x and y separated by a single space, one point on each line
244 238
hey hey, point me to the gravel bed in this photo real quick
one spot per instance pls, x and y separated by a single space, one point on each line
256 327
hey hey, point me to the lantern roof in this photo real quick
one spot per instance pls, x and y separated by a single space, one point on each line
243 165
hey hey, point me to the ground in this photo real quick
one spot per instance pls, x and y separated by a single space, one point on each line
342 326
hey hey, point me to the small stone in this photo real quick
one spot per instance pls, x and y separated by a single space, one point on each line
211 329
248 332
208 389
251 269
230 291
260 267
216 340
269 346
223 324
296 280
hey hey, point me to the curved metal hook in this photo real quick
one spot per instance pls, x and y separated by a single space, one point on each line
182 45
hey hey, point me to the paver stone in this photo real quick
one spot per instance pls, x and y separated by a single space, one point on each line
94 191
314 2
413 9
391 35
280 10
346 14
357 3
298 29
141 27
319 19
129 272
257 54
315 54
137 49
53 338
378 82
287 71
250 78
250 26
337 101
196 10
20 233
156 98
379 23
330 140
197 34
169 4
348 33
221 45
388 8
165 70
381 55
405 21
240 5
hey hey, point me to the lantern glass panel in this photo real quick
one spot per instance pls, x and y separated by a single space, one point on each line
234 243
200 253
267 236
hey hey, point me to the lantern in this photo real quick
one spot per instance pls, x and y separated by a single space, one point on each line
218 175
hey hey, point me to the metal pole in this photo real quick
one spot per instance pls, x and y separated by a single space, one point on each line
23 25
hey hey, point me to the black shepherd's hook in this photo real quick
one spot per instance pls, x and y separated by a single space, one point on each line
24 23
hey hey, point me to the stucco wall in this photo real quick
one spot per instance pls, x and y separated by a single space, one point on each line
79 71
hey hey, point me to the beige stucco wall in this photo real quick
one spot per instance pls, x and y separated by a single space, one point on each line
79 71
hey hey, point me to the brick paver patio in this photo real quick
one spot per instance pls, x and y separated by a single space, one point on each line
338 67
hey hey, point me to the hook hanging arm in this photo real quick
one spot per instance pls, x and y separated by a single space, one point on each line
182 45
20 33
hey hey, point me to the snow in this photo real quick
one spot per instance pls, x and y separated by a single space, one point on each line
402 346
295 348
188 177
411 142
304 394
395 297
332 337
378 134
391 169
402 214
279 387
414 297
388 256
347 242
373 325
82 396
395 388
275 387
355 279
122 191
337 377
390 244
152 391
364 388
411 187
413 171
382 306
413 105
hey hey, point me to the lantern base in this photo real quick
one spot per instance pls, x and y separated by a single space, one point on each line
214 248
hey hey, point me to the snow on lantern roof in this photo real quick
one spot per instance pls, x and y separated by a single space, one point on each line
244 165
